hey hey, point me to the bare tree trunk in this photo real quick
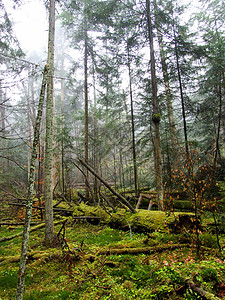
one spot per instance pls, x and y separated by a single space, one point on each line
156 114
25 240
132 124
49 225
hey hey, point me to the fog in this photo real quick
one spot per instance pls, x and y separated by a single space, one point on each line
30 25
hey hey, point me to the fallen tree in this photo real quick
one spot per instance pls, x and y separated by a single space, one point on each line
141 221
31 255
121 199
141 250
39 226
199 291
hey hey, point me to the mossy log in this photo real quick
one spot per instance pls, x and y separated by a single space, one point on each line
33 255
202 293
141 250
186 205
42 225
141 221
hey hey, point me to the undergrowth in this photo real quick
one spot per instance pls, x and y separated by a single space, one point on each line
80 273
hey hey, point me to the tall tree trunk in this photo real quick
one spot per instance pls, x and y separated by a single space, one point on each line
30 193
181 95
132 123
86 95
62 177
49 225
217 135
40 190
2 132
29 135
156 114
96 158
220 84
173 131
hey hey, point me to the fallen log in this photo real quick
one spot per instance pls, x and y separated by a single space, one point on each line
120 197
15 224
204 294
42 225
142 221
30 256
141 250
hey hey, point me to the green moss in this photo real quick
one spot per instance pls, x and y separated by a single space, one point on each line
183 205
150 221
142 221
95 211
156 117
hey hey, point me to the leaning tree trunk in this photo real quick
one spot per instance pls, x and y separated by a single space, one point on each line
22 267
49 226
156 114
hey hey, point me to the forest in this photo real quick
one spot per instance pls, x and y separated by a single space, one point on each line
112 167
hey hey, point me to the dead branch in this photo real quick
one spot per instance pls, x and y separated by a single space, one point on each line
11 194
139 201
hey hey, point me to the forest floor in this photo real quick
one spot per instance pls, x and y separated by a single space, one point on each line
99 262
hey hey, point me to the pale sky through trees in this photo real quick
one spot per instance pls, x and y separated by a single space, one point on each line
30 24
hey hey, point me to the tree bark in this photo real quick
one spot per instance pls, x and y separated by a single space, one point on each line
24 248
49 228
156 114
